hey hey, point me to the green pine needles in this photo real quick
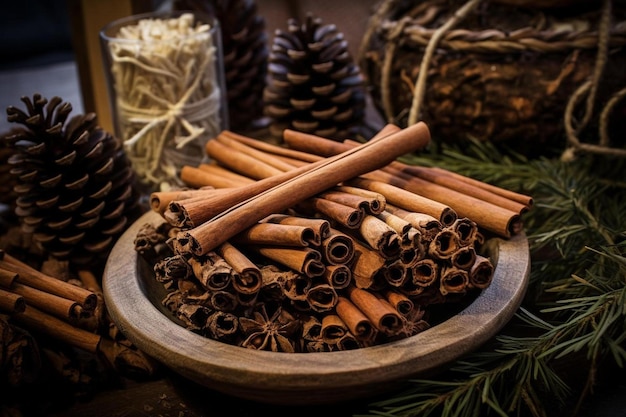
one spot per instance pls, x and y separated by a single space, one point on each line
573 319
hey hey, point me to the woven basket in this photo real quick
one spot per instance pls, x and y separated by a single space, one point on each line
535 80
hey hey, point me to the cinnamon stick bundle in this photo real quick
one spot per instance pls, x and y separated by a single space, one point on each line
11 302
38 280
407 200
314 180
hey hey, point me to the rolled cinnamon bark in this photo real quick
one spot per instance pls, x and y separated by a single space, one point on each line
395 273
382 315
36 279
194 211
380 236
222 325
11 302
199 178
347 216
221 172
356 321
247 279
212 271
264 157
52 304
464 257
466 230
377 202
453 280
7 278
273 149
316 178
307 261
427 225
444 244
367 266
159 200
276 234
407 200
367 205
399 301
425 272
339 276
333 329
337 248
240 162
481 273
321 297
320 227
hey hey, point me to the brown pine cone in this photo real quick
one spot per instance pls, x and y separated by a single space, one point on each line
314 85
74 187
244 41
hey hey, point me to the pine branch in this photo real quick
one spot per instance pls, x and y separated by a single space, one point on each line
576 305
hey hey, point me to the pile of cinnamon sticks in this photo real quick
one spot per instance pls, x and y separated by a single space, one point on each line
338 238
69 313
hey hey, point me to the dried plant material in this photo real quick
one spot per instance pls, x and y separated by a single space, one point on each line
167 92
276 234
339 276
333 329
337 248
321 227
307 261
380 236
212 271
382 315
481 272
356 321
347 216
246 279
453 280
269 332
444 244
222 326
321 297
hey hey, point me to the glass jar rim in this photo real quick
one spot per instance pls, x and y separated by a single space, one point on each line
203 18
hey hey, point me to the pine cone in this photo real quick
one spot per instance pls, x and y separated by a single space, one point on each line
314 86
74 183
244 42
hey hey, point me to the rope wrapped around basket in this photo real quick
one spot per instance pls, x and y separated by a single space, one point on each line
529 78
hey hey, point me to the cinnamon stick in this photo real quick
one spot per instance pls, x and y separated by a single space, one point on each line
316 179
198 178
225 173
211 270
380 236
36 279
159 200
320 227
337 248
240 162
427 225
333 329
367 266
321 297
347 216
424 273
481 272
453 280
399 301
407 200
273 149
7 278
11 302
305 260
357 322
276 234
339 276
247 278
383 317
368 205
266 158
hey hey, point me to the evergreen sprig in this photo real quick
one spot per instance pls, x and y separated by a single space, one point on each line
575 308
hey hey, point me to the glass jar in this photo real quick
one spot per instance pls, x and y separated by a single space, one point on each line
167 91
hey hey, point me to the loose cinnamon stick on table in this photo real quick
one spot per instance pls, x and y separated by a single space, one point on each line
315 179
53 304
11 302
36 279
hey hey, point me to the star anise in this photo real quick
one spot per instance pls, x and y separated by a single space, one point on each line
264 332
413 323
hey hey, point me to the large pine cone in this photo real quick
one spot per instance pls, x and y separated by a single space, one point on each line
244 42
74 183
314 84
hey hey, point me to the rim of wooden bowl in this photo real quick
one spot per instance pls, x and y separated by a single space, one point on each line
307 378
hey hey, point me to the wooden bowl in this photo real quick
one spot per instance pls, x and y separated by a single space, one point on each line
133 299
